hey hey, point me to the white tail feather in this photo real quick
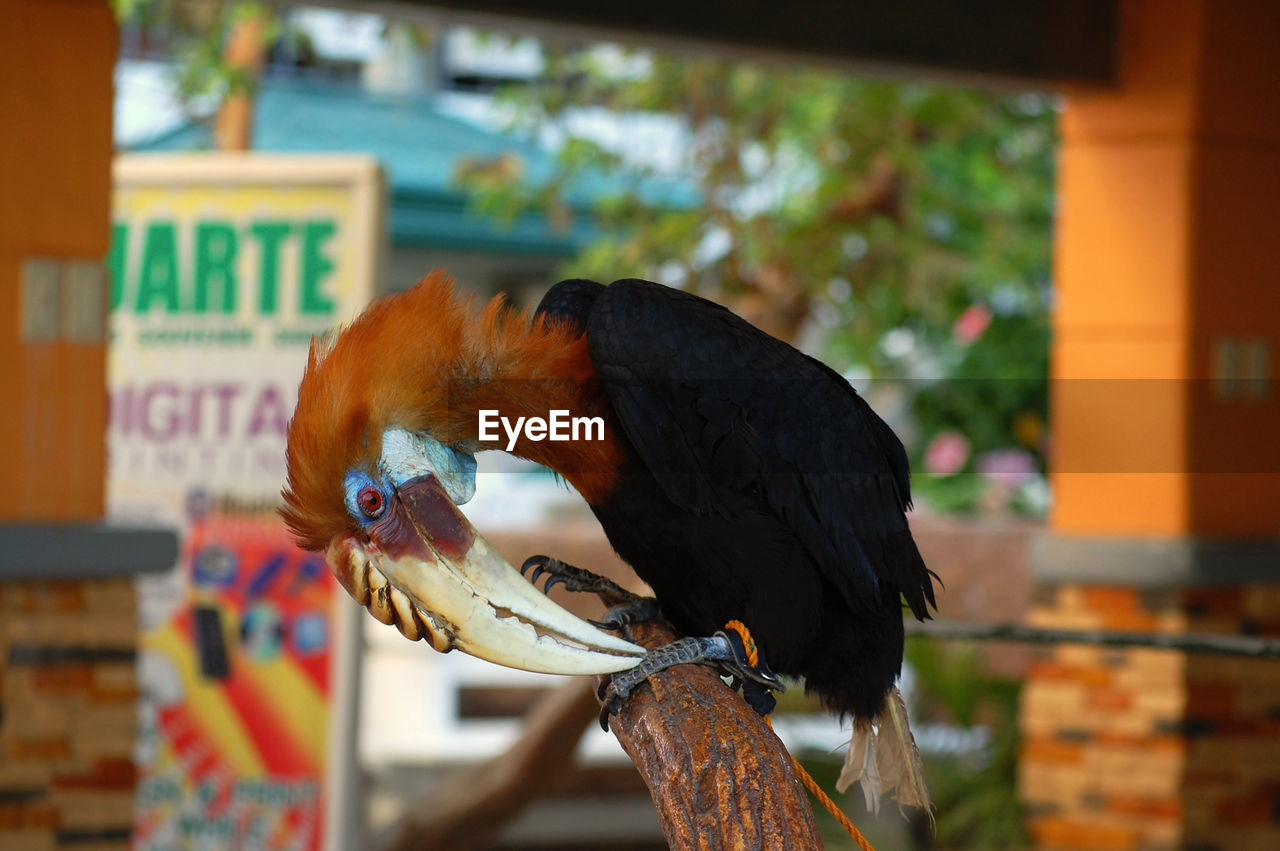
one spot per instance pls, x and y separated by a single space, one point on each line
883 757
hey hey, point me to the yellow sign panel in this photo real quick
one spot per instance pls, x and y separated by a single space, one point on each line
223 267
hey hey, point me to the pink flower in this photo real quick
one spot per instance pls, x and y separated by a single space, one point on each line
946 453
1007 466
970 324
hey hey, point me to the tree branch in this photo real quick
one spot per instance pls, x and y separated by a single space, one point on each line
718 775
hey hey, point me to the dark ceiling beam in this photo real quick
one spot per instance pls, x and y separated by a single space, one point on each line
1033 43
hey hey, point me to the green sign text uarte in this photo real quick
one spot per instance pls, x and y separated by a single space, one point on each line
216 265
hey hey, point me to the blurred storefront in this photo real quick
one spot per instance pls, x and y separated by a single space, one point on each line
223 267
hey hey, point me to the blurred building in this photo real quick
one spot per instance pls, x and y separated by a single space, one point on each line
1165 413
427 113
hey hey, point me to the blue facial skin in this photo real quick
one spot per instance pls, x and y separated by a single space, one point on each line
356 481
408 456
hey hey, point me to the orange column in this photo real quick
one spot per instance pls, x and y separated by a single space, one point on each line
1166 426
55 171
1167 273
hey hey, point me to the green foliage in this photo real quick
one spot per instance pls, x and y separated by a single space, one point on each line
864 216
197 32
996 395
975 794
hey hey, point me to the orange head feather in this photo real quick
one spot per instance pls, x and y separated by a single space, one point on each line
426 361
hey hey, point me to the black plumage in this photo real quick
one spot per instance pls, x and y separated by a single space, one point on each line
758 486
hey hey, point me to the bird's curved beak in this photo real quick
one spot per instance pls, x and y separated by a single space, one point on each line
425 569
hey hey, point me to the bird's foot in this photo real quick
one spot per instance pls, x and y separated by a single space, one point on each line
577 579
639 610
724 650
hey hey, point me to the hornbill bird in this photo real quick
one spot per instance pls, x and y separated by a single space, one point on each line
740 478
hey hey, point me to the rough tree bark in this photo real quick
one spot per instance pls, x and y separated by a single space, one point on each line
718 775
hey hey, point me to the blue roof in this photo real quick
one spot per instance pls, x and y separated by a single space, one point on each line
420 147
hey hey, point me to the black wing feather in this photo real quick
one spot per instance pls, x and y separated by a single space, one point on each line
571 300
725 416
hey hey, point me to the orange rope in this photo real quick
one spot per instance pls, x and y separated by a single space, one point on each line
753 656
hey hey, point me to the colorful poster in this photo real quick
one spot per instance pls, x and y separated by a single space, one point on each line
223 267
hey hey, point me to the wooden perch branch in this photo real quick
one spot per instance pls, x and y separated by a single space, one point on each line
718 775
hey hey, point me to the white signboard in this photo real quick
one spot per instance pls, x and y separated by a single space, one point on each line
223 267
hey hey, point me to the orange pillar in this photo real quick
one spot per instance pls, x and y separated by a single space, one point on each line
55 195
1167 273
1166 428
68 630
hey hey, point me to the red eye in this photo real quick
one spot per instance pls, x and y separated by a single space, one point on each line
371 502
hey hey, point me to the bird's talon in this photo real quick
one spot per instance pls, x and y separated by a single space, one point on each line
612 705
606 709
610 701
611 621
639 610
576 579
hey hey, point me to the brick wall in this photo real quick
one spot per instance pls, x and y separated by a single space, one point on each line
1149 748
68 711
984 567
